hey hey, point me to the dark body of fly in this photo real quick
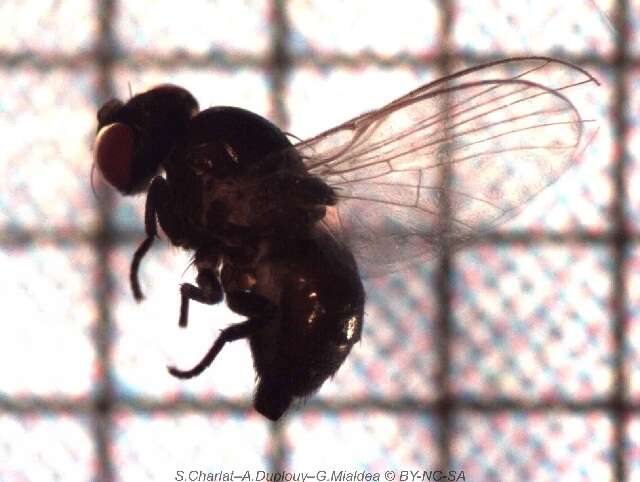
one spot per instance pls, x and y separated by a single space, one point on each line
433 169
237 194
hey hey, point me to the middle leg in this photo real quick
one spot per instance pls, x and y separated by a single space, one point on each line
208 289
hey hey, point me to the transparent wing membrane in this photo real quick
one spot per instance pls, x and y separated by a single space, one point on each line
449 160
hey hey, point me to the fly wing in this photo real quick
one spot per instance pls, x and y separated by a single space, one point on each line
449 160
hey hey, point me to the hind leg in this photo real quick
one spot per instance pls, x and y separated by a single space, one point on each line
259 310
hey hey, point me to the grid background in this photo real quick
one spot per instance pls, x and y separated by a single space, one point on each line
515 359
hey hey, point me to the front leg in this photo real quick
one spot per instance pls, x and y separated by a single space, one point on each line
209 289
157 201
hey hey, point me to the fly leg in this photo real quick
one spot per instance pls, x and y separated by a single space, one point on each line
209 289
157 199
259 311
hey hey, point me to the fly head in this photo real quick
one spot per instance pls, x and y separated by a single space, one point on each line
135 138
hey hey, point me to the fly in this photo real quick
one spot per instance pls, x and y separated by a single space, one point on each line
284 233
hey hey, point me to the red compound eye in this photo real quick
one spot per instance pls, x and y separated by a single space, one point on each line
113 153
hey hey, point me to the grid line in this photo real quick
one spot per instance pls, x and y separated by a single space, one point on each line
620 244
444 407
103 242
279 71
